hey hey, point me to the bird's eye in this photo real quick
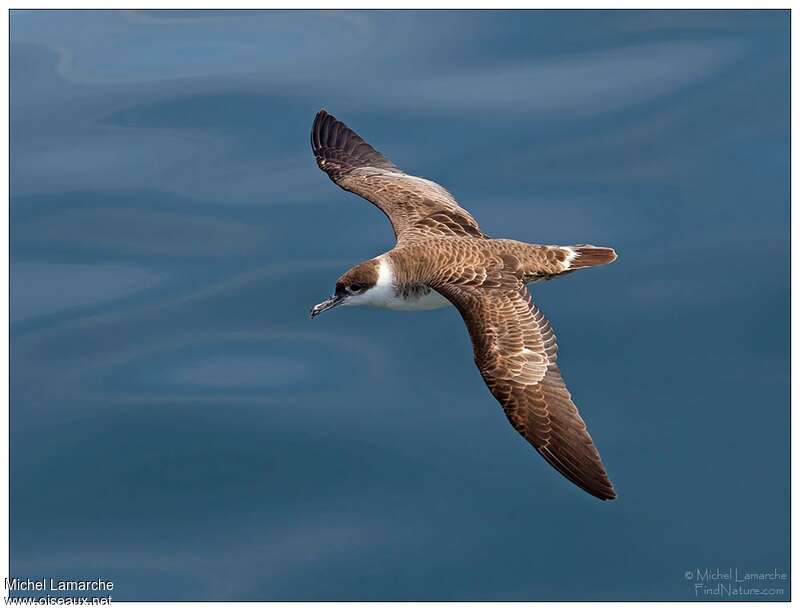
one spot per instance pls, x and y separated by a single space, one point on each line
356 288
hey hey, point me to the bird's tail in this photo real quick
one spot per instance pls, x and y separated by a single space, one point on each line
586 255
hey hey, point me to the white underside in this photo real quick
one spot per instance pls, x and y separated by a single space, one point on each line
431 301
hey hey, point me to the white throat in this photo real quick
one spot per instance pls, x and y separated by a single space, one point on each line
384 294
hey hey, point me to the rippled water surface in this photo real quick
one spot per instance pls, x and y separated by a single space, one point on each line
180 426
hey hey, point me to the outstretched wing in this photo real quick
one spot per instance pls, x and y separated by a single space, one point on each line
515 350
416 207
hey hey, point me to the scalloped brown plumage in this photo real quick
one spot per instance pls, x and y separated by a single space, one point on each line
441 248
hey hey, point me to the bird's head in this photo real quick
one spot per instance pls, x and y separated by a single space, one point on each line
358 286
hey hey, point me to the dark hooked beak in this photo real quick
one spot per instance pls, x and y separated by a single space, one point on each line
329 303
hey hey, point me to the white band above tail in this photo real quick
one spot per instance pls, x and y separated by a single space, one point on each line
572 254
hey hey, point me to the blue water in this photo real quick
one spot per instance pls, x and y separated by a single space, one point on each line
181 427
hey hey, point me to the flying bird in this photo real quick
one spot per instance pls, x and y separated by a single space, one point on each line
441 257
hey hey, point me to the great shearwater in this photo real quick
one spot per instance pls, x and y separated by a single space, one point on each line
442 257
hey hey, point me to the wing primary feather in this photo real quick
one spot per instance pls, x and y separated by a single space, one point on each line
534 397
417 208
339 150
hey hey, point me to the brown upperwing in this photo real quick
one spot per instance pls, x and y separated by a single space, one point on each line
416 207
515 350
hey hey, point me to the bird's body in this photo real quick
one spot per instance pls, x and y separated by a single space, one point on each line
443 258
420 264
